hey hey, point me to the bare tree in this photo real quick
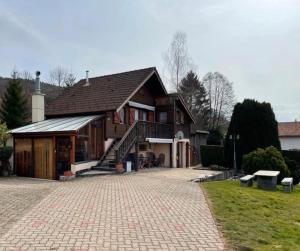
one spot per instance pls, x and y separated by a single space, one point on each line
176 59
26 75
221 98
62 77
70 79
58 75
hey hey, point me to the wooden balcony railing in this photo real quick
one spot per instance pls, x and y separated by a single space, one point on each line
138 132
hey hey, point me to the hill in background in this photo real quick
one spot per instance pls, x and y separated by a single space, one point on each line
50 91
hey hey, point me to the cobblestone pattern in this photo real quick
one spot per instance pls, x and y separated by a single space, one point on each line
18 196
144 211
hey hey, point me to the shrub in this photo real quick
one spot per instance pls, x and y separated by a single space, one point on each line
212 155
215 137
5 153
294 168
265 159
292 154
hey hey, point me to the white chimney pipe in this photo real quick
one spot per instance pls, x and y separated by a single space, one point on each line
38 101
87 83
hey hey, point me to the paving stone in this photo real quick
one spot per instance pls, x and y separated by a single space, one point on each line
149 210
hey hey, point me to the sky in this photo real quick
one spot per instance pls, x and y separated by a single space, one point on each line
254 43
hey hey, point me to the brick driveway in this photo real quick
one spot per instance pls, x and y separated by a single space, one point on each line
150 210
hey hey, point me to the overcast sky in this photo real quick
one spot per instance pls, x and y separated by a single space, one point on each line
255 43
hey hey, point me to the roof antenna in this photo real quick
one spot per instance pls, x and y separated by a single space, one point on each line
87 83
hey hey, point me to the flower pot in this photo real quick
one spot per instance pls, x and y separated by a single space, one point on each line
119 168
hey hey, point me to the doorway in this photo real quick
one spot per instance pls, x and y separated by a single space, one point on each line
63 148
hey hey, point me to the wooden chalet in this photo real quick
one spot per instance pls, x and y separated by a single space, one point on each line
103 121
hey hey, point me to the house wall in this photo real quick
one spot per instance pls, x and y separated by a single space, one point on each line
144 96
288 143
165 149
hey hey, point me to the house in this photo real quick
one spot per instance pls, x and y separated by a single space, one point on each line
101 122
289 135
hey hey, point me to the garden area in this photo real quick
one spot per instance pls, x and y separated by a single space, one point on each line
255 219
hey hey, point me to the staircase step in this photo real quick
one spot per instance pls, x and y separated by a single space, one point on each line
95 173
104 168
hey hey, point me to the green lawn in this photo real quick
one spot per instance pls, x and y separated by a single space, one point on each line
254 219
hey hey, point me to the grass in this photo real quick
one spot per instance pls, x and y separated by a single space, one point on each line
254 219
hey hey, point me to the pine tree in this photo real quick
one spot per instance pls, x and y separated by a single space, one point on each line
195 96
14 107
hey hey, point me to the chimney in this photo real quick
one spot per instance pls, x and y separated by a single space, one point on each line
38 101
87 83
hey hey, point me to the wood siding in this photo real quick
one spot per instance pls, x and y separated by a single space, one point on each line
44 164
23 157
144 96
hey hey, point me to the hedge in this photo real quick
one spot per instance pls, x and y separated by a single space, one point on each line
212 155
292 155
292 159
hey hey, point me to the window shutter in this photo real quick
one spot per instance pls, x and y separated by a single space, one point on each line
131 115
151 116
116 118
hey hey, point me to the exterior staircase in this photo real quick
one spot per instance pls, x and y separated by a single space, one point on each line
120 148
108 160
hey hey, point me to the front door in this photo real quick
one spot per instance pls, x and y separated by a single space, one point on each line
63 147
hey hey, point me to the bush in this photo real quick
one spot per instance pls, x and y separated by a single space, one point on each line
5 153
265 159
215 137
294 168
212 155
292 155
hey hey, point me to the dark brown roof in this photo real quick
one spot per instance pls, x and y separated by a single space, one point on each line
289 129
104 93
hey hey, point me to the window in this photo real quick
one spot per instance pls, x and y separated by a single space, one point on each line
163 117
178 115
136 114
122 115
182 118
143 115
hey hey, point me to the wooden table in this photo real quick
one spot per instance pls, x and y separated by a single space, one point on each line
266 179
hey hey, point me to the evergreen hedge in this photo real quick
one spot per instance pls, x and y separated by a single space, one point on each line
212 155
256 126
292 159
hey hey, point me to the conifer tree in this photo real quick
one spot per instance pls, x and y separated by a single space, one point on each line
256 125
14 108
194 94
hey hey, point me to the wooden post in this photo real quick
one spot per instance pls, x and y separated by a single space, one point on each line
54 156
72 152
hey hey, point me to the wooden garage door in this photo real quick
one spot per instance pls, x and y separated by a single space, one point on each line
43 158
23 157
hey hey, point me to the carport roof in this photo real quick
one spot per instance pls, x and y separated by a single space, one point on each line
65 124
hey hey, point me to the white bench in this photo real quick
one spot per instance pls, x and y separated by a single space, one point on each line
247 181
287 184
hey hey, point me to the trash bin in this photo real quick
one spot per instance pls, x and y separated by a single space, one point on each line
128 166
